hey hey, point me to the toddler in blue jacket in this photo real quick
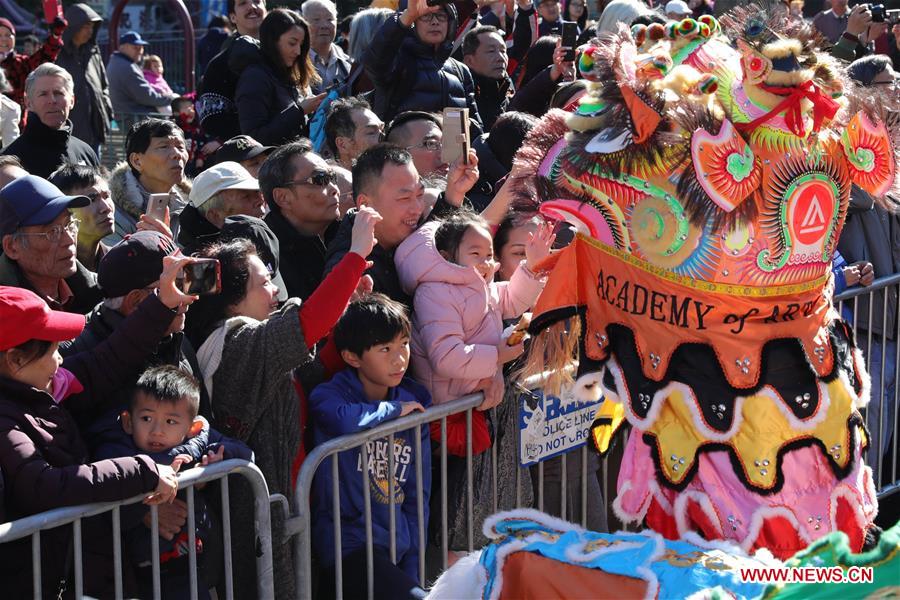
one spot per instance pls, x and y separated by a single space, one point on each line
373 338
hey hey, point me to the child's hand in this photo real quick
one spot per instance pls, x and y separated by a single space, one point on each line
408 407
181 460
213 457
507 353
538 247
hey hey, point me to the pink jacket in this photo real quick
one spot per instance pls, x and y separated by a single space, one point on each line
457 318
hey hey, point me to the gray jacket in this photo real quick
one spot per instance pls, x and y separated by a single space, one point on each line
872 234
93 108
251 364
129 90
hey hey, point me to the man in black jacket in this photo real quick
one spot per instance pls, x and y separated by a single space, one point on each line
47 141
303 196
484 52
81 57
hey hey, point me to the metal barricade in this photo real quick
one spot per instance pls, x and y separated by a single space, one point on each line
112 152
219 472
872 311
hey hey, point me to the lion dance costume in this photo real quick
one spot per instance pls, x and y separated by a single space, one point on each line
708 172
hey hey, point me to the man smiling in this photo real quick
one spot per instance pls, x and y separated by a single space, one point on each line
47 141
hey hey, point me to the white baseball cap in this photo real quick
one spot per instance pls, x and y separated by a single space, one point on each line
678 7
223 176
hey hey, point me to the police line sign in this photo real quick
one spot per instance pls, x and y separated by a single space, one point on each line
550 426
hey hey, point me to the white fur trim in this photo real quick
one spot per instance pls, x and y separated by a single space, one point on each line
465 580
589 387
853 499
765 512
681 511
530 514
859 364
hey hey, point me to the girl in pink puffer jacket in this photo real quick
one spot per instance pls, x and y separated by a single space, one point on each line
458 313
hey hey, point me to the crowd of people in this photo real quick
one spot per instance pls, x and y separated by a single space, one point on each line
362 276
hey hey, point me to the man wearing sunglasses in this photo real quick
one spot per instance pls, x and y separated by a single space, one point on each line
38 235
304 207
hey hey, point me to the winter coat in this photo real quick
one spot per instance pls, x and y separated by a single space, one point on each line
268 107
195 231
457 318
137 538
528 28
216 109
492 97
490 172
10 115
302 257
92 114
131 198
248 367
42 150
209 46
411 75
872 234
43 458
534 97
129 90
83 284
340 407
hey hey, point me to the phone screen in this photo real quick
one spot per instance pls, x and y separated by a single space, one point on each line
202 277
569 39
455 144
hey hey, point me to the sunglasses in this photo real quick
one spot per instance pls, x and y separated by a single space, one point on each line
319 177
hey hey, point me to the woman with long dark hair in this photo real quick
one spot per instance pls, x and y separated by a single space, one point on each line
273 97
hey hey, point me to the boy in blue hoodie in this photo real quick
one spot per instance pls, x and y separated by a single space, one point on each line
373 338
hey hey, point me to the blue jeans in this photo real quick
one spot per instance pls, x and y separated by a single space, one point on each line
883 404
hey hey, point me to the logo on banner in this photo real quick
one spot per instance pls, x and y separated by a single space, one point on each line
810 212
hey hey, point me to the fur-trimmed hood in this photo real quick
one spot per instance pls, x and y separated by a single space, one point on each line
130 196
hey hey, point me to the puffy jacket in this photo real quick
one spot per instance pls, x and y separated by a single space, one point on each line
340 407
93 108
411 75
215 96
131 198
268 107
129 90
43 457
42 150
457 318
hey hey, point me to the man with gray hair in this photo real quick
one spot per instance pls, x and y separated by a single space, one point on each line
48 141
331 62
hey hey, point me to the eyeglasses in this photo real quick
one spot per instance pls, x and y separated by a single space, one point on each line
54 234
431 144
439 17
319 177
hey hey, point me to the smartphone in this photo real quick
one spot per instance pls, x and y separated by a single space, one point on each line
156 206
569 39
52 10
456 142
203 276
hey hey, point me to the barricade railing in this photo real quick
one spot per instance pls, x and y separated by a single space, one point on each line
218 472
873 312
113 150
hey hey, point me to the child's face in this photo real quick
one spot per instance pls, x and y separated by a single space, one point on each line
157 426
156 67
384 365
476 249
39 371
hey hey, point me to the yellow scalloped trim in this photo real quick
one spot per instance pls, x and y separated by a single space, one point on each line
763 431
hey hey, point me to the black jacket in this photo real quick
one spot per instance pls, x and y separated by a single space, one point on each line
93 108
215 95
195 231
490 173
525 34
492 97
42 150
410 75
534 97
268 107
302 257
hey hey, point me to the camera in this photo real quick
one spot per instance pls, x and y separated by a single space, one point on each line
880 15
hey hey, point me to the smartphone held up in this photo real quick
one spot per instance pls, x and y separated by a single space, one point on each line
455 129
200 277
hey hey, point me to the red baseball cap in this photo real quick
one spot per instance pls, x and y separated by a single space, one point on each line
25 316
